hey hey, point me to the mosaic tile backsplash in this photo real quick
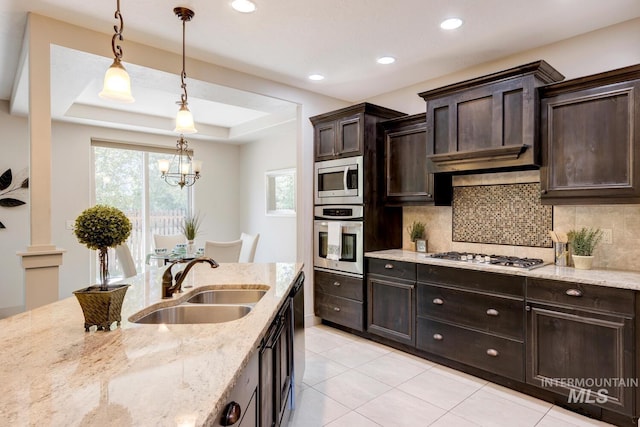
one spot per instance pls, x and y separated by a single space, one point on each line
509 214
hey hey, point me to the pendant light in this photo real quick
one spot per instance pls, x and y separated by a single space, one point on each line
182 170
117 84
184 118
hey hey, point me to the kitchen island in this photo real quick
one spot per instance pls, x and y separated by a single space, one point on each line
55 374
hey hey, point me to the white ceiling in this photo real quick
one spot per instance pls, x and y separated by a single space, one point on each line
285 41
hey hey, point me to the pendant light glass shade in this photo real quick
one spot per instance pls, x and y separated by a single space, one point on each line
184 121
117 84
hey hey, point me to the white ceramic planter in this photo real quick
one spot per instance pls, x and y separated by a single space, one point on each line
582 262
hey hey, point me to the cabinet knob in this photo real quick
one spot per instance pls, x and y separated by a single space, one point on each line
574 292
437 337
492 352
543 192
336 283
388 266
492 312
429 195
231 414
336 308
438 301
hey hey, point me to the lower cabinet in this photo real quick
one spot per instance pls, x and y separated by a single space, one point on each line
580 343
276 368
242 409
339 299
391 301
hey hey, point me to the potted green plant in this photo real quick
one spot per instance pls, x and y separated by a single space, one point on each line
416 234
582 243
190 227
102 227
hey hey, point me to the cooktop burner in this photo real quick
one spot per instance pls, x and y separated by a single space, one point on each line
509 261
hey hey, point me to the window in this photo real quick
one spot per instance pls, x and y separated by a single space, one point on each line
281 192
126 176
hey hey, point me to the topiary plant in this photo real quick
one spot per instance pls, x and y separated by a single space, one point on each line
584 241
102 227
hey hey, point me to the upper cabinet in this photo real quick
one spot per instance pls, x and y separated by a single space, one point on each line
488 122
407 181
343 133
590 131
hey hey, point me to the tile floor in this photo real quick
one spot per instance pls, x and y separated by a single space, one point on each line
353 382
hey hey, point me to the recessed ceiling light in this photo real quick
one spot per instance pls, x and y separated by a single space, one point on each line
316 77
451 23
244 6
386 60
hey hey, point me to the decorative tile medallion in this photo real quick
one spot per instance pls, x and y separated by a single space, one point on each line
508 214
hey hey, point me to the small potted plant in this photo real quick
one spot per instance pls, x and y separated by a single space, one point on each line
582 243
190 227
416 234
102 227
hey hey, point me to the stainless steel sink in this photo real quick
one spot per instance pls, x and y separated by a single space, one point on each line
228 296
182 314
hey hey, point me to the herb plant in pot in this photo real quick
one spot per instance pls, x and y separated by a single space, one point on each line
583 242
190 228
102 227
416 234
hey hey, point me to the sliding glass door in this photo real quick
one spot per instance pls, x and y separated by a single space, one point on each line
127 177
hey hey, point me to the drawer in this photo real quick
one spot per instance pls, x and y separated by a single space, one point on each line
472 279
588 297
338 285
397 269
339 310
484 351
494 314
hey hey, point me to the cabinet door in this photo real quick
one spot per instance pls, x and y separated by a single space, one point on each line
591 145
325 140
349 138
391 309
406 175
574 352
283 353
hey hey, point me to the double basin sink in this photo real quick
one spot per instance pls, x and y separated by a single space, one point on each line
209 306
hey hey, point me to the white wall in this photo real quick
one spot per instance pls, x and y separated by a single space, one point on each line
277 234
15 237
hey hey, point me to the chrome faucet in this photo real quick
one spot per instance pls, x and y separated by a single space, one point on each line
168 287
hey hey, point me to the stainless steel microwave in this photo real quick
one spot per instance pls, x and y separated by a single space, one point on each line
339 181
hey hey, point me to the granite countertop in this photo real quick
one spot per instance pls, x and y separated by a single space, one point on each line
56 374
612 278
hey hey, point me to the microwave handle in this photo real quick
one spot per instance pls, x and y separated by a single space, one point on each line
344 178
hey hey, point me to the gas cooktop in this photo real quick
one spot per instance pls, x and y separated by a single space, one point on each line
504 260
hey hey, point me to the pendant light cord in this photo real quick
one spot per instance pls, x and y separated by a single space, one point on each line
183 76
116 48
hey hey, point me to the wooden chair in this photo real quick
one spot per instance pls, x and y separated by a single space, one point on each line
249 245
223 251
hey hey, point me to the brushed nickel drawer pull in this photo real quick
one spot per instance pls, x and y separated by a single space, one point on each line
437 337
574 292
492 312
388 266
438 301
336 283
336 308
493 353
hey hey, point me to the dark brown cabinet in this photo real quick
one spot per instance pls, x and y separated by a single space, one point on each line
407 181
488 122
480 312
339 299
590 131
579 336
344 132
391 300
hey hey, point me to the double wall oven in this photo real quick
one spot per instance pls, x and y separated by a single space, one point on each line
339 199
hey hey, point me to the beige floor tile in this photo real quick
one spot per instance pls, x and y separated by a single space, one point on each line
352 388
440 388
354 354
410 358
451 420
391 370
321 342
353 419
549 421
398 409
520 398
490 410
318 368
573 418
315 410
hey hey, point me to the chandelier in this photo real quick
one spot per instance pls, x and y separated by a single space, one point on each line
117 85
182 170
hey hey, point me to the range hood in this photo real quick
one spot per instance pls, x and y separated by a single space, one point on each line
487 123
